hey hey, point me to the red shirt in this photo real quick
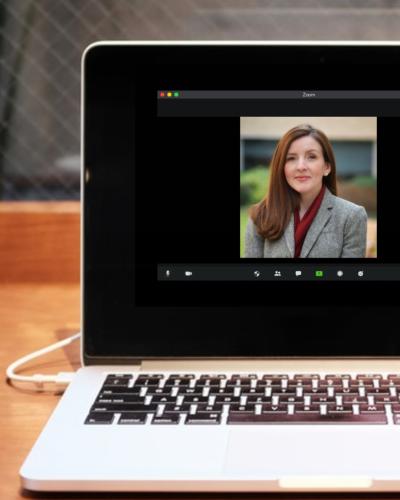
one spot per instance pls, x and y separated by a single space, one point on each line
302 226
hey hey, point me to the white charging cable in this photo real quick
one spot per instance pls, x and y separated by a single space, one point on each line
62 378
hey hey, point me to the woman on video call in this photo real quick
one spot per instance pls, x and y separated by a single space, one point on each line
301 216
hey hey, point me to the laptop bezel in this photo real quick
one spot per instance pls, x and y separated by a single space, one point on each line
90 352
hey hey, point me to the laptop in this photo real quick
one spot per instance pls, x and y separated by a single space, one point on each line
240 276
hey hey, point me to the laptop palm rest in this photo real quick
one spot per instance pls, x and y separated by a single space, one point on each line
313 457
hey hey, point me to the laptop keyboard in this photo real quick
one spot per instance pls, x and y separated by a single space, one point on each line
189 399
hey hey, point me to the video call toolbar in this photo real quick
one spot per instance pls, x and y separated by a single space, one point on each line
278 272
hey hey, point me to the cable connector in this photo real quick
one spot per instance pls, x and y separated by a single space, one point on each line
64 378
61 379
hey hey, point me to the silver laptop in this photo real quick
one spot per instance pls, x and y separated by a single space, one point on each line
240 278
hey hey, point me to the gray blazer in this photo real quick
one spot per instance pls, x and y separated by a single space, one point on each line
338 230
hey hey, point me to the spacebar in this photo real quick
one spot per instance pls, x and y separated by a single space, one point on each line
306 418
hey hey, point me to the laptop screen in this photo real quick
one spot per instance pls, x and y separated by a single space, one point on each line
240 200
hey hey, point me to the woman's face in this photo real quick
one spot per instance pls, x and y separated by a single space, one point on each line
305 165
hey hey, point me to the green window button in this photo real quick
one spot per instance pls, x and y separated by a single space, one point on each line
319 274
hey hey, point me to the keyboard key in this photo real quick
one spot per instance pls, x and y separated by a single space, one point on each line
323 398
124 407
262 384
258 399
306 376
132 418
195 399
302 408
119 390
385 383
285 399
270 408
245 380
252 392
250 408
203 418
236 388
226 391
204 407
192 391
385 399
99 418
377 408
153 376
369 376
175 382
275 378
337 378
121 380
304 387
348 394
284 390
200 384
380 391
355 400
120 398
227 399
158 398
307 418
394 379
173 408
167 418
339 409
323 384
146 380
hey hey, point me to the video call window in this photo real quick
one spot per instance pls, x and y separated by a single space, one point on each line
308 187
284 188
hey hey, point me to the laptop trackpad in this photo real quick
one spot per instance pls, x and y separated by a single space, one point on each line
276 452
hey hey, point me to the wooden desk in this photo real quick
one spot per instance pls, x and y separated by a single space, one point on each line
39 242
32 316
39 304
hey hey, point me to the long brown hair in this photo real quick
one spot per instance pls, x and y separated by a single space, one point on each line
272 214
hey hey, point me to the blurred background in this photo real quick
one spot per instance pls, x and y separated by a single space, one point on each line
354 144
41 42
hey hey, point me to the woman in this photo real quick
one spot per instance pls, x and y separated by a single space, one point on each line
301 216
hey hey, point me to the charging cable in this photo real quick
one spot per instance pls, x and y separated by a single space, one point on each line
61 379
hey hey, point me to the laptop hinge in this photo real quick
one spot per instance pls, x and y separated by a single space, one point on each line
277 365
91 361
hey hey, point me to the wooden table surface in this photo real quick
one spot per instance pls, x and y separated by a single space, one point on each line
32 316
39 305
